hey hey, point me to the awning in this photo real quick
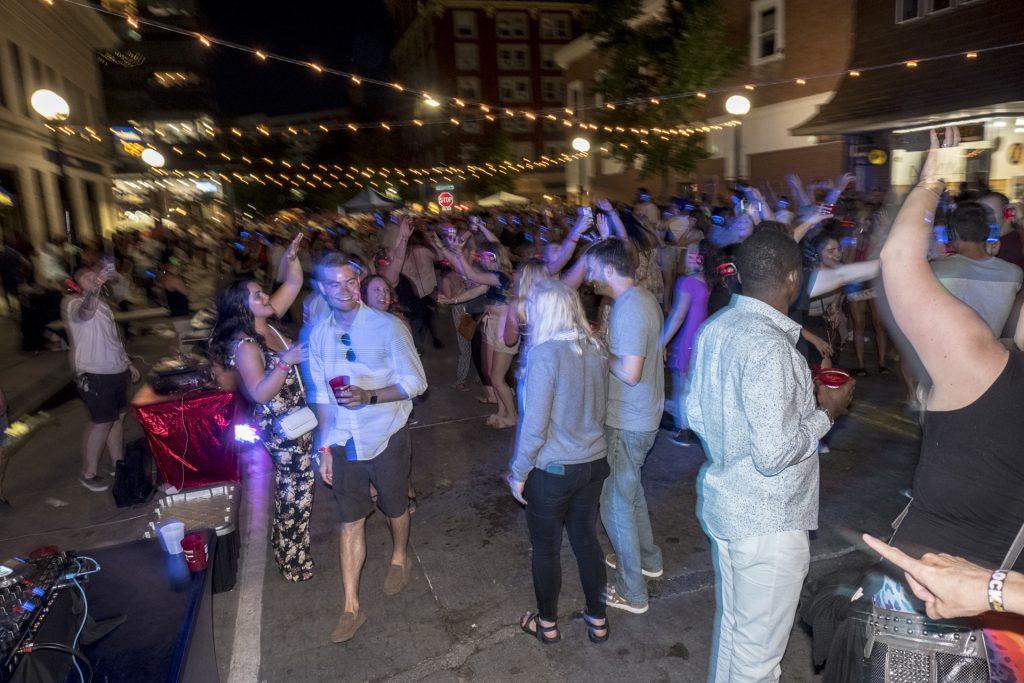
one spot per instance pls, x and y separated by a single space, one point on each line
939 90
369 199
502 198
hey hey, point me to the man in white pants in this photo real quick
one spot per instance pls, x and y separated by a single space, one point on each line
753 403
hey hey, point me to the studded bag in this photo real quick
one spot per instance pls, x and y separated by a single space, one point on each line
902 647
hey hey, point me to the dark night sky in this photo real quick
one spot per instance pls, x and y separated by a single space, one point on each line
351 35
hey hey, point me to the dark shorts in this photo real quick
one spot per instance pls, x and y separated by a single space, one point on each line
105 396
388 472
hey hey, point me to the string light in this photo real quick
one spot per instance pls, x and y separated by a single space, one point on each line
854 74
911 64
801 81
971 55
203 39
749 86
261 55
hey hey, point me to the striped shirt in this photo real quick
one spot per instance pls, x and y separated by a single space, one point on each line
383 355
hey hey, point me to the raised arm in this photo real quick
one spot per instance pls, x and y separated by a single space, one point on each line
938 325
800 231
829 279
396 252
568 246
282 299
796 186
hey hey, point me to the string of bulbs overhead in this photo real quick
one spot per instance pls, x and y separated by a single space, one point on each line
490 111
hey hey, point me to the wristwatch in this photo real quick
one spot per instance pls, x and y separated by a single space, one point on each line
373 398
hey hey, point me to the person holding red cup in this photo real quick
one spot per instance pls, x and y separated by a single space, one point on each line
363 371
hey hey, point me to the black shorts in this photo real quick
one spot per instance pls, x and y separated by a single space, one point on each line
388 472
105 396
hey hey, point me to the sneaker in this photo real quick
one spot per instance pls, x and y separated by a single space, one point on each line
684 437
94 484
612 563
613 599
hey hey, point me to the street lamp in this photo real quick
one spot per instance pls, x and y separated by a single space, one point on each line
55 109
581 145
737 105
155 159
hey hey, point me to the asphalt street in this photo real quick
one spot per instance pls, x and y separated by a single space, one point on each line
457 618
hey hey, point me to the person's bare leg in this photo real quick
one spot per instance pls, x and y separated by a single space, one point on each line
506 399
857 314
115 441
400 537
487 360
353 555
881 338
92 447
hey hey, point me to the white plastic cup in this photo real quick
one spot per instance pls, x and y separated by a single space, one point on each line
171 534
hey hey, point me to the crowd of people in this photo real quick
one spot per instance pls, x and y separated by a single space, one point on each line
570 319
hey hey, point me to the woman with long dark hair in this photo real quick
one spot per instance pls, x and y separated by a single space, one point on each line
265 362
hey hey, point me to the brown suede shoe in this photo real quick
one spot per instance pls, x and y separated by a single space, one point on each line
398 576
347 626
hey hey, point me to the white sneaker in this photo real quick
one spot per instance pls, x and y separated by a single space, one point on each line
94 484
613 599
612 563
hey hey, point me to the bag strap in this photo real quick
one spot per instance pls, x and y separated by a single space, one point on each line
298 375
1014 552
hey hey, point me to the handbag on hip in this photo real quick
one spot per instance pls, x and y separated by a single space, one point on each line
300 420
911 648
467 326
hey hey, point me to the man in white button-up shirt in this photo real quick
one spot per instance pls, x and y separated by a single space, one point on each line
362 413
755 407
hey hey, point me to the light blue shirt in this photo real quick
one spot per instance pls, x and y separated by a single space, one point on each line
751 400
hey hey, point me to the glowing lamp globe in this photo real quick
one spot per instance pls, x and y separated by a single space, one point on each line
153 157
581 144
50 105
737 105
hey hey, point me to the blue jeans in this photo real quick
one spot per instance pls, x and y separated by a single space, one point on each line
624 512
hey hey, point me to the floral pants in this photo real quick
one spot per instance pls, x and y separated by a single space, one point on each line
293 503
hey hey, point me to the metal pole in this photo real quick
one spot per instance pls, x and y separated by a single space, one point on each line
579 179
737 145
69 230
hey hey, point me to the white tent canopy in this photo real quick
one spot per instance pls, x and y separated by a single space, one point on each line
369 199
502 198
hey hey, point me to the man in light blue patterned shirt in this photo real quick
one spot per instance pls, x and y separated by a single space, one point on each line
755 407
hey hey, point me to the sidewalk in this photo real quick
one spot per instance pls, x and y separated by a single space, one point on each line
29 380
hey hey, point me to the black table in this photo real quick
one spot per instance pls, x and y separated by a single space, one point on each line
168 634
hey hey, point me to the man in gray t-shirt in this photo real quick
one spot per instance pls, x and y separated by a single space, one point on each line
636 396
987 284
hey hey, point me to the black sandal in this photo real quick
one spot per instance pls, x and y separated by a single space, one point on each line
883 371
593 628
541 632
860 372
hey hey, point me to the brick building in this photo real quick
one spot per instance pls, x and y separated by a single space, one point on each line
890 110
782 40
498 52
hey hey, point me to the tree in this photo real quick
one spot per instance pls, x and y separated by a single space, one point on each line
683 49
496 148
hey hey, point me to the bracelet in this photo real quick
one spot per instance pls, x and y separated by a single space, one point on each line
282 366
995 590
923 186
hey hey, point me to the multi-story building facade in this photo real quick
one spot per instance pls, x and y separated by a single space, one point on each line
498 52
781 40
54 48
962 72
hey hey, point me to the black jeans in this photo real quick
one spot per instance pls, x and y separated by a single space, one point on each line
570 500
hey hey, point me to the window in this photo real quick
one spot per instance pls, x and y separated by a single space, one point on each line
939 5
37 72
20 91
465 23
512 25
467 57
547 56
907 10
555 26
518 124
552 89
513 57
469 87
514 89
42 201
766 30
522 150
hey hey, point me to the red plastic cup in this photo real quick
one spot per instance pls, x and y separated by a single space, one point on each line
194 545
338 384
833 378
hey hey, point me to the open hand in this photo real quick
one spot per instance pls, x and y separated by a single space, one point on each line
930 169
293 249
516 487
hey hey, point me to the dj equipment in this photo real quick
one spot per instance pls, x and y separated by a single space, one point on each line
180 374
28 591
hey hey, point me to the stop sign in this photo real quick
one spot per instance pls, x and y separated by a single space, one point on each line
446 200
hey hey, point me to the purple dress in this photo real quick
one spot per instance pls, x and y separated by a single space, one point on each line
681 345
